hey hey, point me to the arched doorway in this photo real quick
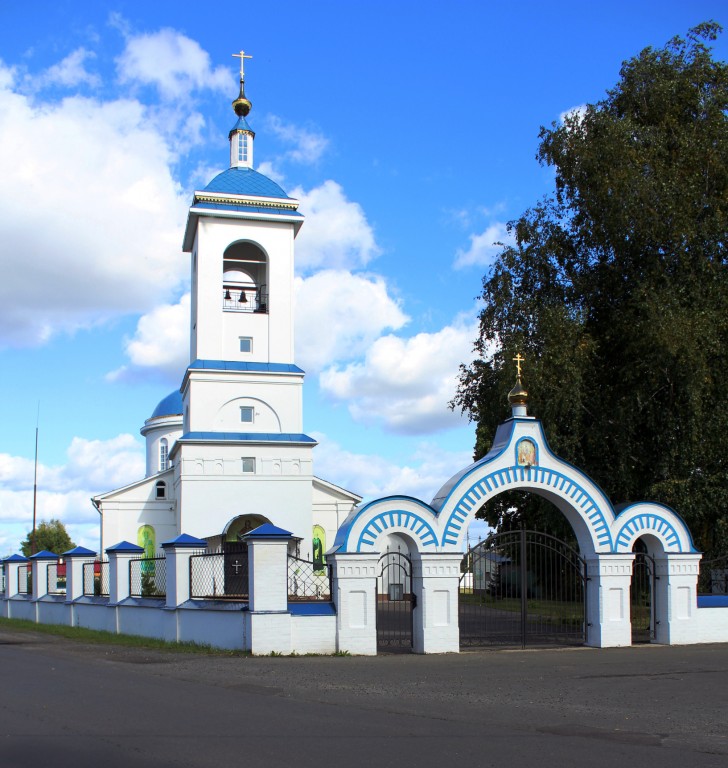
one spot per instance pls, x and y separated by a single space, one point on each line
643 595
395 599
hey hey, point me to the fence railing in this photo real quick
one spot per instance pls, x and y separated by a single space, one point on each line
24 580
56 583
148 577
713 577
308 581
220 575
96 578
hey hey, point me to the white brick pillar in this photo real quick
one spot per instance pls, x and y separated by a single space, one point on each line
609 578
12 566
75 559
270 621
39 565
178 553
436 586
676 598
119 556
354 591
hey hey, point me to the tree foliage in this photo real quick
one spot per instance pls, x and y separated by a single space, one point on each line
616 292
51 536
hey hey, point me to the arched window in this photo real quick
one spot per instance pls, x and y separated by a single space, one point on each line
163 454
161 489
244 279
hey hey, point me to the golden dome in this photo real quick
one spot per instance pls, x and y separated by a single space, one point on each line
242 105
518 395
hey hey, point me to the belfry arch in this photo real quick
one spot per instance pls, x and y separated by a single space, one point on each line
521 459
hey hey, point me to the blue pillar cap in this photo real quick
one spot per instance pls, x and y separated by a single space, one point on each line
15 559
268 531
184 540
44 554
125 546
79 552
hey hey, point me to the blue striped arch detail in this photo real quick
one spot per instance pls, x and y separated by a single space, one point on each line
397 518
548 478
646 523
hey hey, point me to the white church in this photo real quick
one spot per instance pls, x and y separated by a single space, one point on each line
227 452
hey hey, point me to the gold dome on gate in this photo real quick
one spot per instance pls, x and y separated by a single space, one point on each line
518 395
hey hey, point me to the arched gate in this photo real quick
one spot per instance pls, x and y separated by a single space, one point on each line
521 588
395 602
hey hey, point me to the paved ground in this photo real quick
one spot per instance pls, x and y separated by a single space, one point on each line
86 705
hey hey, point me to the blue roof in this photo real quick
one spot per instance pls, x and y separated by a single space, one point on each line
249 437
44 554
79 552
234 365
242 125
244 181
268 531
170 406
185 540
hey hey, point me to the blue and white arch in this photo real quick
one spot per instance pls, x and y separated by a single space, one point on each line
520 459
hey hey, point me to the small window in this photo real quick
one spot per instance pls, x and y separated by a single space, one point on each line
163 454
246 414
161 489
249 466
246 344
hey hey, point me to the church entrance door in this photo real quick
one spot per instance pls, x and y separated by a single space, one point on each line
522 588
395 602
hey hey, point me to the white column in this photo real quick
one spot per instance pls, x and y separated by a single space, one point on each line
75 560
609 578
119 557
12 566
436 586
178 553
354 591
270 621
39 564
676 598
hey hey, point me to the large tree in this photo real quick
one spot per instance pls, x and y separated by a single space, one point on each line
616 292
51 536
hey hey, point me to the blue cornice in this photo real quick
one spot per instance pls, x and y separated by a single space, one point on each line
247 437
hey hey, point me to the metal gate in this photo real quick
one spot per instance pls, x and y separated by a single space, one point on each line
395 602
521 588
642 598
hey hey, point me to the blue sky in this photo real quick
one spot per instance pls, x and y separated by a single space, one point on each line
408 130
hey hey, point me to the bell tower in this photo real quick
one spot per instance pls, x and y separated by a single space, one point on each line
242 392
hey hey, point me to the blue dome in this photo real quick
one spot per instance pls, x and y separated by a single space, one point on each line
244 181
170 406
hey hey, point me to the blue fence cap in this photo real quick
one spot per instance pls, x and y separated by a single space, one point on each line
184 540
79 552
125 546
44 554
268 531
15 559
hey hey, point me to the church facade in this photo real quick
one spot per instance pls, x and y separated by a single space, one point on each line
227 452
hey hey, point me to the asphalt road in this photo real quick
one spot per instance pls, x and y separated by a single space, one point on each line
71 704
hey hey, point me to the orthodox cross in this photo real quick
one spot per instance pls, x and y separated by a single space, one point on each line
242 56
236 567
518 360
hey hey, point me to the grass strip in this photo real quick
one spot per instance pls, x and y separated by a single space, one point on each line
81 634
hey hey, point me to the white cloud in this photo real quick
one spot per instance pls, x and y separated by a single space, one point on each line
161 342
91 220
372 476
72 71
64 492
577 112
484 247
336 234
308 146
173 63
406 384
353 310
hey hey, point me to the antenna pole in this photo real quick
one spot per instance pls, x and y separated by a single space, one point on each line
35 484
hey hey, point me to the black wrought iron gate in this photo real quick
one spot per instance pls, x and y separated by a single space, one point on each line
395 602
521 588
642 598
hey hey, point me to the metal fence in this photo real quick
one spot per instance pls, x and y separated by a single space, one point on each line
148 577
25 585
2 579
713 578
56 583
308 581
96 578
221 574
